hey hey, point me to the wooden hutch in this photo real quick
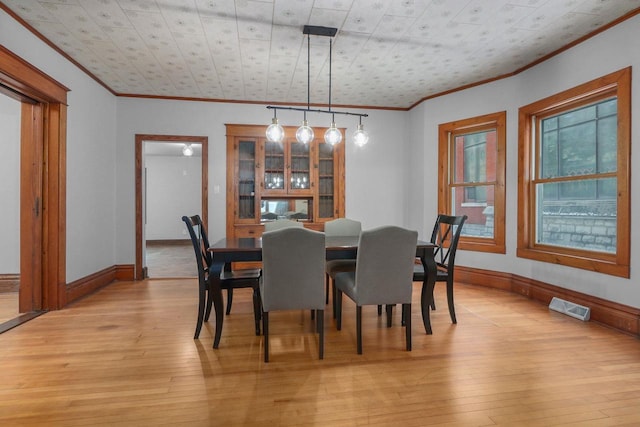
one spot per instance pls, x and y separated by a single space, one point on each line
268 180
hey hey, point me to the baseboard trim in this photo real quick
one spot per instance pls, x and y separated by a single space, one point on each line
9 283
176 242
618 316
125 272
91 283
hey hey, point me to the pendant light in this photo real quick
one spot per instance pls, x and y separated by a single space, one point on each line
275 131
360 136
332 136
305 134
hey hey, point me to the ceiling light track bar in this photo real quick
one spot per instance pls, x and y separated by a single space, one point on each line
311 110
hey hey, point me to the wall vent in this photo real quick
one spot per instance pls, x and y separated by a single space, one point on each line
570 309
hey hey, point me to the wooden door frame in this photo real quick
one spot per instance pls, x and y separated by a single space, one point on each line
139 144
43 137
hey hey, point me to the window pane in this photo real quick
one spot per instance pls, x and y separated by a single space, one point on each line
607 144
475 157
578 116
588 223
480 213
580 142
549 166
577 146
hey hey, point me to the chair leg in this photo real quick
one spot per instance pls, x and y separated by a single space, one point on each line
333 296
229 300
402 316
257 308
359 327
389 310
313 314
326 293
265 331
338 304
379 310
209 298
452 308
406 309
320 327
202 297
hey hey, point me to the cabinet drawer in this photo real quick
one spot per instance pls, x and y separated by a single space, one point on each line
249 230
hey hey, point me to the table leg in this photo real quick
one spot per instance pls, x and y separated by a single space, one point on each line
429 282
218 305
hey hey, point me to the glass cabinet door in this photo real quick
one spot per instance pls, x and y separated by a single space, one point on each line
326 176
246 208
287 168
299 167
274 166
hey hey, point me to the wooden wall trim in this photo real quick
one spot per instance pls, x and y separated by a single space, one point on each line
91 283
618 316
26 79
125 272
9 283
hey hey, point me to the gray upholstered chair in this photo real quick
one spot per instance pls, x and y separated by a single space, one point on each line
383 275
281 223
339 227
292 276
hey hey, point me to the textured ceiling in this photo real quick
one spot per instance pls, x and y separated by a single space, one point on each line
387 53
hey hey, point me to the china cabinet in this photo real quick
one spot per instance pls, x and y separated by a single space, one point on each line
268 180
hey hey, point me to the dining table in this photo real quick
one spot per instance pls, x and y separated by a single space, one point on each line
247 249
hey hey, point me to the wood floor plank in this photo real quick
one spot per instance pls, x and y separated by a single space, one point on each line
126 356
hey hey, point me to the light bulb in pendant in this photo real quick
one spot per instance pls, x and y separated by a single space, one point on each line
333 135
304 134
275 131
360 136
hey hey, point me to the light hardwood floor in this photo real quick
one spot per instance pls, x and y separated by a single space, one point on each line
126 356
8 306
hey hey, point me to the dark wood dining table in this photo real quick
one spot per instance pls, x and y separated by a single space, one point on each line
226 251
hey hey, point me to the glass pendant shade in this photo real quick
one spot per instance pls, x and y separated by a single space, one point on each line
360 136
333 136
304 134
187 150
275 132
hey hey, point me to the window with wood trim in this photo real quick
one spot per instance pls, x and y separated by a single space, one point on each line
574 182
471 179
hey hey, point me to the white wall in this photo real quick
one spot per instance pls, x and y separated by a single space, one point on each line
610 51
91 132
173 189
9 185
375 174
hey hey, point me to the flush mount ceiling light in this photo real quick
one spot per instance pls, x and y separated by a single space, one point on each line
305 134
187 150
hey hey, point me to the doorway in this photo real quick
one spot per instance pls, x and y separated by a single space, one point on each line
162 169
10 212
42 176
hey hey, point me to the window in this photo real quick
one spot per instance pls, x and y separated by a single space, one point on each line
573 198
471 179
